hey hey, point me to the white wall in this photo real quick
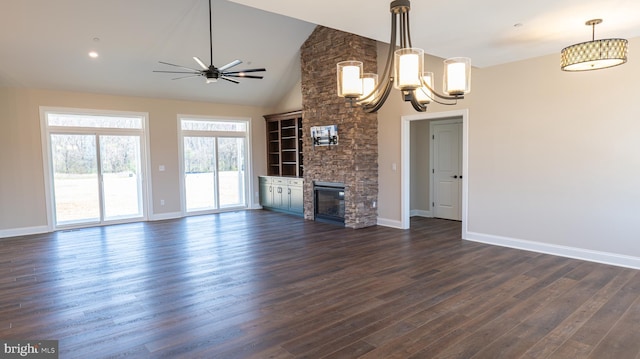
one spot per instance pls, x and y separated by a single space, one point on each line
554 159
292 101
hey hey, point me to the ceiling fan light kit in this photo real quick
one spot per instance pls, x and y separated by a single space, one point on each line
594 54
212 73
404 70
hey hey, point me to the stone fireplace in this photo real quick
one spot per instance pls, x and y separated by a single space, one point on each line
354 160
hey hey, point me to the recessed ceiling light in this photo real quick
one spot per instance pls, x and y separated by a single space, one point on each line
93 54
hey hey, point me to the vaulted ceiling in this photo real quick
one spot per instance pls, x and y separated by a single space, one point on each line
44 44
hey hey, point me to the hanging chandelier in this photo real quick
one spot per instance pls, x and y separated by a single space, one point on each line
594 54
404 71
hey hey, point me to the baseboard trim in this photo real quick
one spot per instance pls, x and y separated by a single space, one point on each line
15 232
165 216
562 251
389 223
420 213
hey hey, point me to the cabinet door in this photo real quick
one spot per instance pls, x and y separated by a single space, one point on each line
296 202
279 197
266 193
279 193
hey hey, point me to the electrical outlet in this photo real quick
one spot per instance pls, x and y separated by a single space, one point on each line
162 202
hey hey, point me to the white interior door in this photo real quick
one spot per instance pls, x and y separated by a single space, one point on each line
447 169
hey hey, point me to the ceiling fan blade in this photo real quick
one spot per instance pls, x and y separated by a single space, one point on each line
182 67
204 67
230 65
245 76
230 80
244 71
186 77
179 72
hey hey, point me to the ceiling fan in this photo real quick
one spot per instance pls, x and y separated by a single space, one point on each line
212 73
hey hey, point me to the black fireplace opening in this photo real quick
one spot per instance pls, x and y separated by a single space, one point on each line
328 202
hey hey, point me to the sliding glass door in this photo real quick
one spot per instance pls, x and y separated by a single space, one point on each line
96 166
199 173
231 171
120 170
214 164
75 178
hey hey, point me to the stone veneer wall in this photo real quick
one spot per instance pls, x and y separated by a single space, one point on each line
354 161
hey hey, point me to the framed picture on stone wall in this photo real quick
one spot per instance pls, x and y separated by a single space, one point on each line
324 135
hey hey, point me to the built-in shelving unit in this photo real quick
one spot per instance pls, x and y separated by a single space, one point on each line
284 144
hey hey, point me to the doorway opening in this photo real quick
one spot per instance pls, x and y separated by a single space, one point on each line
407 137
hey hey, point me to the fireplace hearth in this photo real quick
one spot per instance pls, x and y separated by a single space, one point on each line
329 202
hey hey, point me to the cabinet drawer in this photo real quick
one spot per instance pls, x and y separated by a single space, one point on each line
265 180
295 182
279 181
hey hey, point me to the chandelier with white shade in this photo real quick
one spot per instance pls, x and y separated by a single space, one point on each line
404 70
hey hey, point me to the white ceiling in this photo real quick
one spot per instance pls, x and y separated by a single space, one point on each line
44 44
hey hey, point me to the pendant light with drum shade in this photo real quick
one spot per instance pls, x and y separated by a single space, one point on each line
594 54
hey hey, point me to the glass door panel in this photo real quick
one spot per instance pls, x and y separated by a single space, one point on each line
121 180
231 171
199 173
75 179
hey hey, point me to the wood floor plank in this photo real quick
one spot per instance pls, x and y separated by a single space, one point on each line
622 341
260 284
597 327
494 327
562 332
517 341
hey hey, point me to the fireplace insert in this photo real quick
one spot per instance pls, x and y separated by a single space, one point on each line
328 202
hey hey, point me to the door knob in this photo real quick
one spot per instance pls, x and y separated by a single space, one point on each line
454 176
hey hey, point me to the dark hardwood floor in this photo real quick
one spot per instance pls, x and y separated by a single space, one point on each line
260 284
